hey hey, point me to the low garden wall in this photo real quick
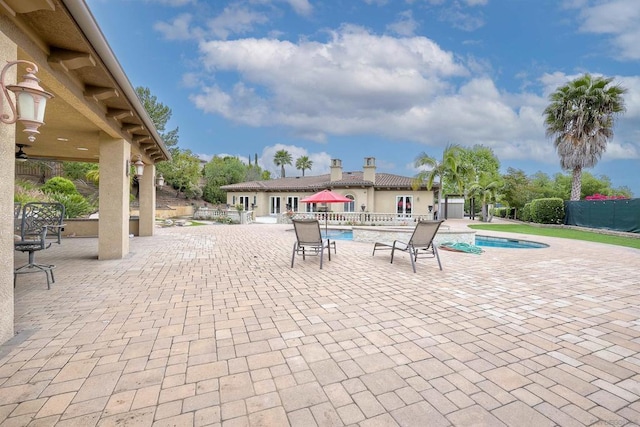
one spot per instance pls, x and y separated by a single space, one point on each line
88 227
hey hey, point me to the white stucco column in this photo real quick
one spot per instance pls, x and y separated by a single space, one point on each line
8 52
113 222
147 198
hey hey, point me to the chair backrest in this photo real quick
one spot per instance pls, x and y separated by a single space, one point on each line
37 215
307 231
424 233
17 209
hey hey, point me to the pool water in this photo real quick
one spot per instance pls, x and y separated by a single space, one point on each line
484 241
338 234
501 242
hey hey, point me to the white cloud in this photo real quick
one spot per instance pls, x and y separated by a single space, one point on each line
401 89
312 86
618 18
178 29
301 7
235 19
405 25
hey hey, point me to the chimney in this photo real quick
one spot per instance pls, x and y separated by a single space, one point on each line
369 169
336 170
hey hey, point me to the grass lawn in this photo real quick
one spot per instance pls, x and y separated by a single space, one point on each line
561 232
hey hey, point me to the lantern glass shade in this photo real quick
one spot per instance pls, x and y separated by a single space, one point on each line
139 167
31 106
31 100
160 181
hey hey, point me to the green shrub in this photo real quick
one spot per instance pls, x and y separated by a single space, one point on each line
499 212
193 192
75 205
59 185
223 220
525 213
547 211
26 191
77 170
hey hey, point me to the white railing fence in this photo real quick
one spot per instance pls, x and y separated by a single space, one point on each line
207 213
356 218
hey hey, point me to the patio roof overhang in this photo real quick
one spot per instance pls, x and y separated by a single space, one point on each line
93 97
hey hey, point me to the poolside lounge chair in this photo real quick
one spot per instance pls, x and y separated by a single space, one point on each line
421 242
40 225
309 241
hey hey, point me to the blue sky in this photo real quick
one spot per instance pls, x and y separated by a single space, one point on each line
389 79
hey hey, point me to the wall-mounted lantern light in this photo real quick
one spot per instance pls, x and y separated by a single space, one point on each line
139 167
160 181
31 100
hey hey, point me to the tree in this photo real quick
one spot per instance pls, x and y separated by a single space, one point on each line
281 159
182 172
304 163
580 118
517 189
159 114
449 171
487 189
222 171
480 160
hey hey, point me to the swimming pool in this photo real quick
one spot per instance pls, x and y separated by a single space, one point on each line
334 234
502 242
484 241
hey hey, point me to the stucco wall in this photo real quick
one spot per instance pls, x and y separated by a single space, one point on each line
374 200
8 52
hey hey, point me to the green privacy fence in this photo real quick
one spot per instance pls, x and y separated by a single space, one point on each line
618 215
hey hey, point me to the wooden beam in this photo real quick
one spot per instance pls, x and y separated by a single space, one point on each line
67 60
118 113
98 93
132 127
27 6
138 139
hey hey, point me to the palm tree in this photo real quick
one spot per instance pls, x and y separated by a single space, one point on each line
303 163
450 168
281 159
487 190
580 117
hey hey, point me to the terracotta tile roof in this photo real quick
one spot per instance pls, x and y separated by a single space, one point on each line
320 182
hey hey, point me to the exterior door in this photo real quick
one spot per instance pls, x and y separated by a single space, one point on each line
274 205
404 206
244 201
292 203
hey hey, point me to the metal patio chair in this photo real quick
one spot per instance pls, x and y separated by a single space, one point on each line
309 240
40 226
420 243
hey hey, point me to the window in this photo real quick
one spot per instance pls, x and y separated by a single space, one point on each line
404 205
349 206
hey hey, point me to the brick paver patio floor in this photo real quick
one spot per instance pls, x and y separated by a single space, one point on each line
209 325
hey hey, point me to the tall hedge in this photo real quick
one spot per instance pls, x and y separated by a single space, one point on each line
547 211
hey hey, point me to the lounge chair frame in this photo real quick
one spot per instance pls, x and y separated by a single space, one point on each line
420 243
309 240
